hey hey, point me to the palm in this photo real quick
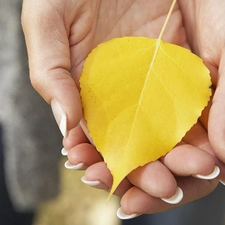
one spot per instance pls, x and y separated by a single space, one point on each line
104 20
62 33
117 19
122 18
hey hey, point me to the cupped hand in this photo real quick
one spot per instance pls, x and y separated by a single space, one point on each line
146 189
205 24
60 34
189 158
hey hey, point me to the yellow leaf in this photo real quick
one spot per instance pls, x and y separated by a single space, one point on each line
139 102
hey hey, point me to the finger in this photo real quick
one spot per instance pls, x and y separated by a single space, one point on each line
216 116
187 160
136 201
82 156
99 176
75 137
154 179
49 61
194 156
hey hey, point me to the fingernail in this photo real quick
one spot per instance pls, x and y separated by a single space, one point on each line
90 183
121 215
60 117
175 198
222 182
70 166
211 176
64 152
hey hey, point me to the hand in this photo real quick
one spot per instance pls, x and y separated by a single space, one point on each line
142 189
60 34
95 172
205 22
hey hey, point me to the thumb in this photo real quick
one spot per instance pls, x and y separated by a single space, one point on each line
217 115
49 61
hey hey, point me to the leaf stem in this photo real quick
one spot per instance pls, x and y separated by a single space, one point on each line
167 19
160 36
151 65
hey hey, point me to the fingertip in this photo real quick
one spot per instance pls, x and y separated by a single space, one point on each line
79 166
176 198
186 160
121 215
60 117
84 152
64 152
70 100
215 173
75 137
99 171
163 183
67 111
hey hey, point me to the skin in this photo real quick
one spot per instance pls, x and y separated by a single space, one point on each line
60 34
204 24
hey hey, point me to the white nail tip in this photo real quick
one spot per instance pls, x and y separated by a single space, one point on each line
90 183
64 152
60 116
175 198
211 176
121 215
69 166
222 182
63 125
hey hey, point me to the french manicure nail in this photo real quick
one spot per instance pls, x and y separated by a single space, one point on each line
90 183
121 215
60 117
64 152
222 182
175 198
70 166
210 176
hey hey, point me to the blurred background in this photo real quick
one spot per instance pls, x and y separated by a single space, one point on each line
78 204
35 188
